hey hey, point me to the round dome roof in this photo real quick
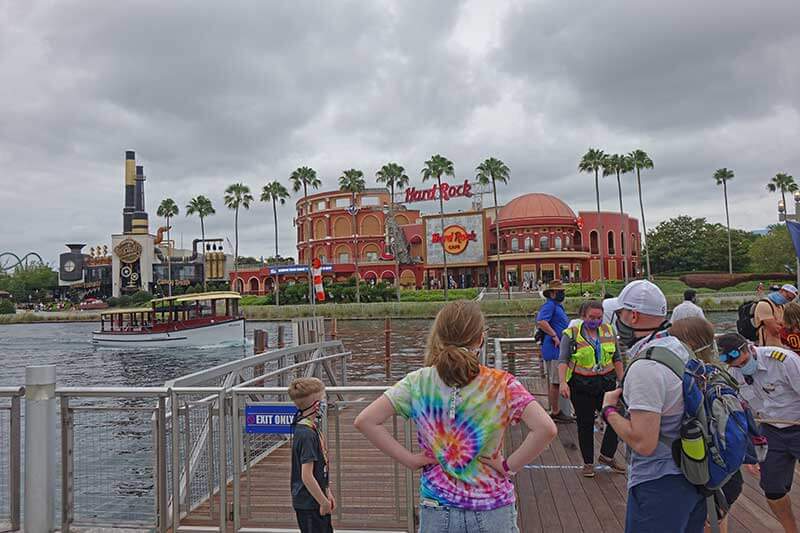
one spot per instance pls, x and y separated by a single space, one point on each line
535 205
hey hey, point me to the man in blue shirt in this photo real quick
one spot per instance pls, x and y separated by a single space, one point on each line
552 320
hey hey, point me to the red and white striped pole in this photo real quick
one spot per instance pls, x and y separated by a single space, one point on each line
316 273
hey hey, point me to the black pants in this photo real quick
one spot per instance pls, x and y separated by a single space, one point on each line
586 394
310 521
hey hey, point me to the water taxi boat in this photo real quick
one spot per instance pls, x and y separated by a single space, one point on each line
203 319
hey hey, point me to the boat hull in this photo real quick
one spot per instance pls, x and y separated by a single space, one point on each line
229 332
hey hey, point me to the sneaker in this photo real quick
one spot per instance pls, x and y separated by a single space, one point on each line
612 464
588 470
561 418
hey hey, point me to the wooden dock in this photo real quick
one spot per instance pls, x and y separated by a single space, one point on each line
552 493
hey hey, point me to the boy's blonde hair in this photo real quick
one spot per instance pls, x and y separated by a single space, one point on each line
301 389
698 334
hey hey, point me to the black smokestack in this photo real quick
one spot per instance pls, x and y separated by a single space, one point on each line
139 215
130 191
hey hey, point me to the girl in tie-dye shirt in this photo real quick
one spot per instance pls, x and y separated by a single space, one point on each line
461 410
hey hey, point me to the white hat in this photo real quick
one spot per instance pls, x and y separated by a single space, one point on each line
643 296
610 306
790 288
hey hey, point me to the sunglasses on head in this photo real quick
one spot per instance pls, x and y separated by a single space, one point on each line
731 354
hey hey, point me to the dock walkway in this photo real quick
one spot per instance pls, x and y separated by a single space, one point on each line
552 493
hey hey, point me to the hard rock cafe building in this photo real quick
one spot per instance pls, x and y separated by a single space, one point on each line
541 239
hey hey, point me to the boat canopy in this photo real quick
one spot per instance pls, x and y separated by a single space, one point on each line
206 296
127 311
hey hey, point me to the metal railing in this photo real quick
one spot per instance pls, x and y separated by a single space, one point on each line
369 488
10 456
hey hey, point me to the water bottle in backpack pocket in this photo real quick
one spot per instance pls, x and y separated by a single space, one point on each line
691 453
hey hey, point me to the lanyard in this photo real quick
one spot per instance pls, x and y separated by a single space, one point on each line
598 353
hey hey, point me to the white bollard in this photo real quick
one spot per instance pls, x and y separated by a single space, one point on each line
40 448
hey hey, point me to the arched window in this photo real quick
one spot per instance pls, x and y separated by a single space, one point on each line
342 254
342 227
370 225
320 228
622 243
254 285
578 238
634 245
528 244
594 244
370 253
568 242
557 242
514 245
611 247
544 243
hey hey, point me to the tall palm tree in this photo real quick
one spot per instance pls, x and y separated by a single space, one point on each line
640 160
594 161
619 164
784 183
393 176
303 178
494 171
723 175
275 192
168 209
201 206
237 195
435 167
352 181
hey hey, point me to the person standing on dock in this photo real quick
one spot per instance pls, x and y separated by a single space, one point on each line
462 410
688 308
768 315
553 320
770 381
589 366
654 398
312 498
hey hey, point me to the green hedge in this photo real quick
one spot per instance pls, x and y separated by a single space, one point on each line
7 307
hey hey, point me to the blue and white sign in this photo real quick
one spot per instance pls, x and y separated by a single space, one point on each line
276 419
295 269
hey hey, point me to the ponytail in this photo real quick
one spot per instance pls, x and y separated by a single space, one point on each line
452 342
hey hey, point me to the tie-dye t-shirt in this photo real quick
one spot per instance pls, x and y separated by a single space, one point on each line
457 426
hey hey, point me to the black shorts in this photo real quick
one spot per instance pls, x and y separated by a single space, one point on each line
310 521
731 490
783 452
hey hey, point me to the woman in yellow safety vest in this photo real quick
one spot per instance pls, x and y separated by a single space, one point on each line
589 366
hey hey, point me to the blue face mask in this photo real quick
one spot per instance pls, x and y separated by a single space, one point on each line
559 297
750 367
777 298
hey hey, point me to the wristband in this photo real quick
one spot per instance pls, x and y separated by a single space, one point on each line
608 409
507 470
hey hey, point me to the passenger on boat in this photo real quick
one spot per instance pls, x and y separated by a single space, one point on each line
462 410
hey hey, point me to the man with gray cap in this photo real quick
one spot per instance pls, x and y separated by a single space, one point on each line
654 398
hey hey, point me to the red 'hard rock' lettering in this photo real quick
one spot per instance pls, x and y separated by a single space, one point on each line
447 192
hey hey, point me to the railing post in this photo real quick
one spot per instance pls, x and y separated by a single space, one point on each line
161 464
40 448
15 458
281 336
334 329
67 465
407 429
237 465
223 464
498 355
387 346
176 459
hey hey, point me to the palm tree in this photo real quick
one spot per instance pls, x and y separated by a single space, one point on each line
168 209
275 192
723 175
352 181
619 164
237 195
593 161
303 178
435 167
640 160
493 171
393 176
784 183
201 206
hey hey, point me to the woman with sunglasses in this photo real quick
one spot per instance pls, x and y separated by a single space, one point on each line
770 381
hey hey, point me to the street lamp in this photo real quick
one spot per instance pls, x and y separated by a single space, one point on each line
783 216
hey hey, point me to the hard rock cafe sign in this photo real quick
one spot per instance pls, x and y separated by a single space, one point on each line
446 192
128 251
455 239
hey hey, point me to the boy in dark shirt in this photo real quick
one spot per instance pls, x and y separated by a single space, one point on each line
311 495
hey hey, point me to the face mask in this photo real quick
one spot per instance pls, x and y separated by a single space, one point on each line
777 298
627 334
322 409
560 297
750 367
712 347
593 323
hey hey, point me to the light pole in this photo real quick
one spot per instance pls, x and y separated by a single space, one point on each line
783 216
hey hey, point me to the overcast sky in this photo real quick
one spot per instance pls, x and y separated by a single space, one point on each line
209 93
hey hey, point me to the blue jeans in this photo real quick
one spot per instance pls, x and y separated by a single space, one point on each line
667 504
455 520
